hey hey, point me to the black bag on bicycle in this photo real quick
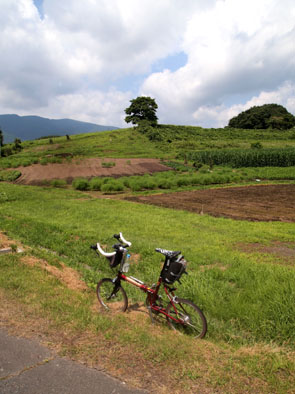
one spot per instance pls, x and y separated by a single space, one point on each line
173 269
116 259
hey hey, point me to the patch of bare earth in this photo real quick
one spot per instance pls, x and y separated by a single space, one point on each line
282 252
88 168
6 242
256 203
66 275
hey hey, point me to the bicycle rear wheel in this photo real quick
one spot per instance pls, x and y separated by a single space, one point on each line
111 296
189 318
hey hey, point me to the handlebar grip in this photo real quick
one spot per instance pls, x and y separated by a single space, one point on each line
124 240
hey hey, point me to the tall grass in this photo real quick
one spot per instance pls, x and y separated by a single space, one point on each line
245 297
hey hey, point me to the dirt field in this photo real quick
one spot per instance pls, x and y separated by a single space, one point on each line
88 168
257 203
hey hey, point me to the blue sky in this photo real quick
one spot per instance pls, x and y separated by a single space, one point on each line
203 63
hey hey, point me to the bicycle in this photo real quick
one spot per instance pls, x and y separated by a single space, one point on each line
181 314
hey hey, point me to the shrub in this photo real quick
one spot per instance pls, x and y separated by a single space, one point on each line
58 183
108 164
114 186
80 184
256 145
204 169
95 183
134 185
9 176
167 184
44 161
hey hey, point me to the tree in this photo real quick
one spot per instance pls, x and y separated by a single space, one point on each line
263 117
142 109
17 144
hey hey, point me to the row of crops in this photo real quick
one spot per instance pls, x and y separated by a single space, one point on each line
245 157
167 180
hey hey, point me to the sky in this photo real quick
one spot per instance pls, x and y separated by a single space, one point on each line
202 61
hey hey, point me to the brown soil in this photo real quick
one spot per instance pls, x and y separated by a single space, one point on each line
88 168
6 242
282 252
257 203
66 275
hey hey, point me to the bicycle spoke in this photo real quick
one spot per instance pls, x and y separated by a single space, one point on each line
187 318
110 297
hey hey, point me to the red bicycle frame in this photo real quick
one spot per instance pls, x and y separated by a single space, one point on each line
153 293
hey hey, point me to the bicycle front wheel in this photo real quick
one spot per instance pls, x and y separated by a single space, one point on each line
186 317
112 297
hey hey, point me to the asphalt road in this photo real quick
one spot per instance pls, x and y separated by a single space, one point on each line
27 367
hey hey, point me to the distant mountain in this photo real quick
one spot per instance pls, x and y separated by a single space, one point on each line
32 127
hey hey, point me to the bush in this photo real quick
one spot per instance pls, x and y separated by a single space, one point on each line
44 161
134 185
80 184
114 186
58 183
95 183
204 169
256 145
108 164
9 176
167 184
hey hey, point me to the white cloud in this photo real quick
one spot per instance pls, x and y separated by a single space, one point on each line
68 63
236 48
218 116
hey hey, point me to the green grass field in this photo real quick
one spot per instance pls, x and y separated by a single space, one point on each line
247 297
239 293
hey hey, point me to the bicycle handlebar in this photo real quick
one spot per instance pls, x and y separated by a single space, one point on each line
103 252
119 237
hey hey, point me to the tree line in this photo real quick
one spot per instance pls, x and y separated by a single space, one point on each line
142 112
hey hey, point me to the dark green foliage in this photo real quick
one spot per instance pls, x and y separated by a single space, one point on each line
80 184
95 183
263 117
142 109
58 183
17 145
246 157
108 164
256 145
9 176
112 186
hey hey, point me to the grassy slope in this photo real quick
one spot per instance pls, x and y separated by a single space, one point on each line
248 299
130 143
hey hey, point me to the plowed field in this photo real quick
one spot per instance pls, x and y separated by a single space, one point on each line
257 203
88 168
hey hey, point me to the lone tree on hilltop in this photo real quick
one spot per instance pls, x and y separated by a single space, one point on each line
266 116
142 109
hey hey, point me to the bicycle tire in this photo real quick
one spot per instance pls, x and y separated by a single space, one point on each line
111 298
193 320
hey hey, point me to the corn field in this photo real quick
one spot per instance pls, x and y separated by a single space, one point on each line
245 157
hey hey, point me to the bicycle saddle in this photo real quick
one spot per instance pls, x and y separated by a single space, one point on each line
168 253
